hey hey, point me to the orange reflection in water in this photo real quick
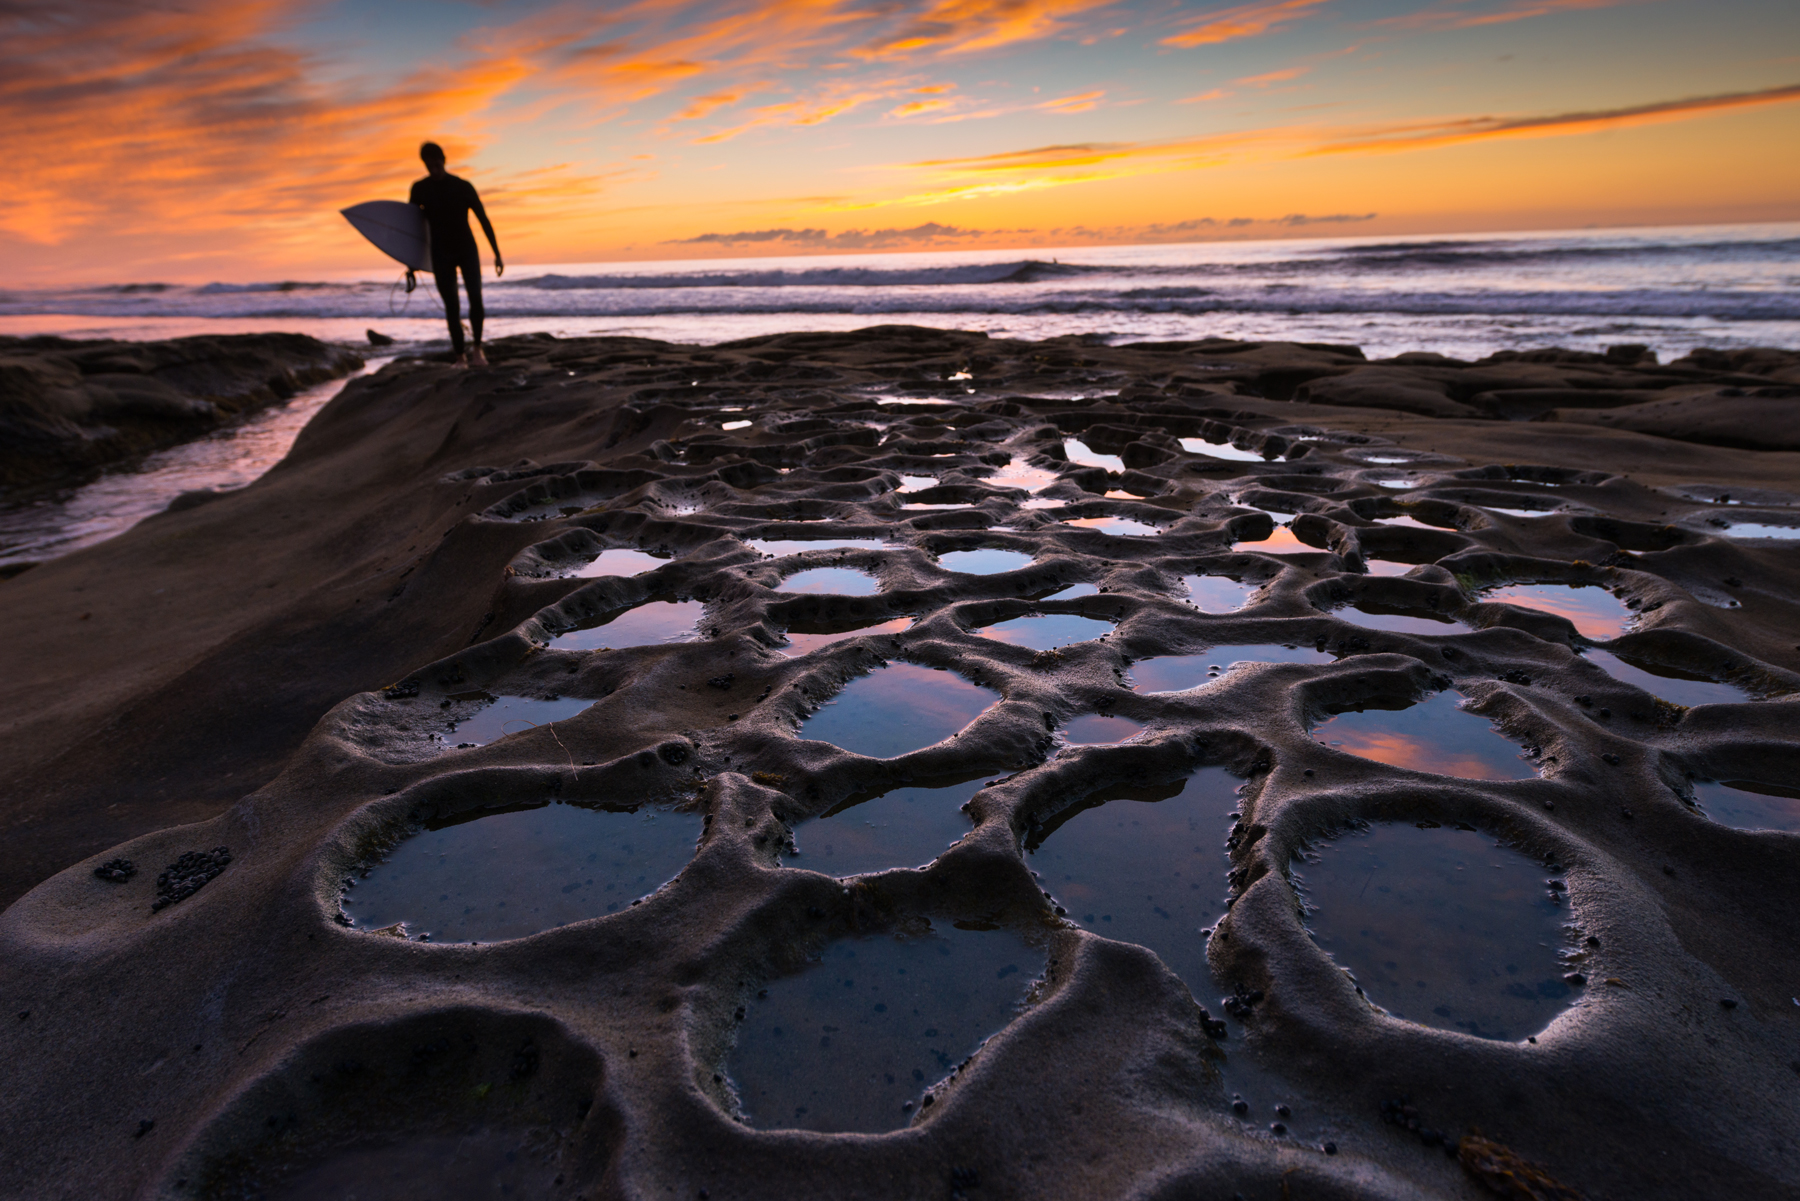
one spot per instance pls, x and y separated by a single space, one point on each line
1592 610
1432 736
1281 540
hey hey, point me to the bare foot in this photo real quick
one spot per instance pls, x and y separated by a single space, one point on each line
477 359
461 360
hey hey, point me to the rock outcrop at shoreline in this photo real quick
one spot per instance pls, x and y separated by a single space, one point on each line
70 407
223 722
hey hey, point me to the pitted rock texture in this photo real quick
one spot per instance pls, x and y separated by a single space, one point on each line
271 1045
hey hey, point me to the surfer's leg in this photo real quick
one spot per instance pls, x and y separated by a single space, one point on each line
471 269
445 273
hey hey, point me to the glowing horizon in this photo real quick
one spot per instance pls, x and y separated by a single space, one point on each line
216 139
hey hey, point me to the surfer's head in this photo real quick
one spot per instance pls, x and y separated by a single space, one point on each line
432 154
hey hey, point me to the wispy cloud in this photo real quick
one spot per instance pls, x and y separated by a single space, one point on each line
1244 21
1087 162
1269 77
1456 15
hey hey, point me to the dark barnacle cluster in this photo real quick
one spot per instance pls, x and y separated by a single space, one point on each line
185 877
116 870
1240 1003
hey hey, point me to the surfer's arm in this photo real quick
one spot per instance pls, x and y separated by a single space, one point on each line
487 227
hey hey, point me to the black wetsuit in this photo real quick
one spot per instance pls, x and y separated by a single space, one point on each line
446 201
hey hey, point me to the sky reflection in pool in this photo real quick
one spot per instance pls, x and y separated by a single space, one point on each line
1678 688
804 641
906 827
1145 865
851 1041
645 625
832 581
1045 631
1219 450
511 714
1118 527
985 561
1430 736
1750 806
896 709
795 546
506 875
1217 593
1594 612
1078 452
1400 621
1178 673
1441 926
621 561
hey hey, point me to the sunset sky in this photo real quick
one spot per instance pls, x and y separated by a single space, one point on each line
216 139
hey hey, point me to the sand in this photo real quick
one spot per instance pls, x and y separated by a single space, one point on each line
255 683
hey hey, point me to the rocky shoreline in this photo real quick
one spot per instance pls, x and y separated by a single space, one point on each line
220 723
69 407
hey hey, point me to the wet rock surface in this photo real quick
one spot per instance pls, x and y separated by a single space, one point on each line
1205 1042
69 407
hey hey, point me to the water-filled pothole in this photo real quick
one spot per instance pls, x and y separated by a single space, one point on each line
1217 593
1117 527
1749 805
492 876
1440 926
1677 687
832 581
802 640
1761 529
904 827
916 483
511 714
1178 673
1145 865
1591 609
1400 621
1096 729
621 561
1219 450
1280 541
1021 475
1045 631
984 561
795 546
646 624
851 1042
1072 592
1431 736
898 708
1080 453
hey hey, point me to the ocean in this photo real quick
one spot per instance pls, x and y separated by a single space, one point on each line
1465 295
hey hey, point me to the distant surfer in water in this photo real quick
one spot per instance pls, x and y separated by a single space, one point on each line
446 200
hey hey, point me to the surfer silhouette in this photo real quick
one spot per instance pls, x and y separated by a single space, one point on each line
447 200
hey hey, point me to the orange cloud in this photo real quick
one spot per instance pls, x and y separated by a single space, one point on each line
1214 94
1072 104
1084 162
964 26
1267 78
1470 129
1245 21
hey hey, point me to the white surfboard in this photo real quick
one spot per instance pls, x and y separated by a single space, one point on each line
396 228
